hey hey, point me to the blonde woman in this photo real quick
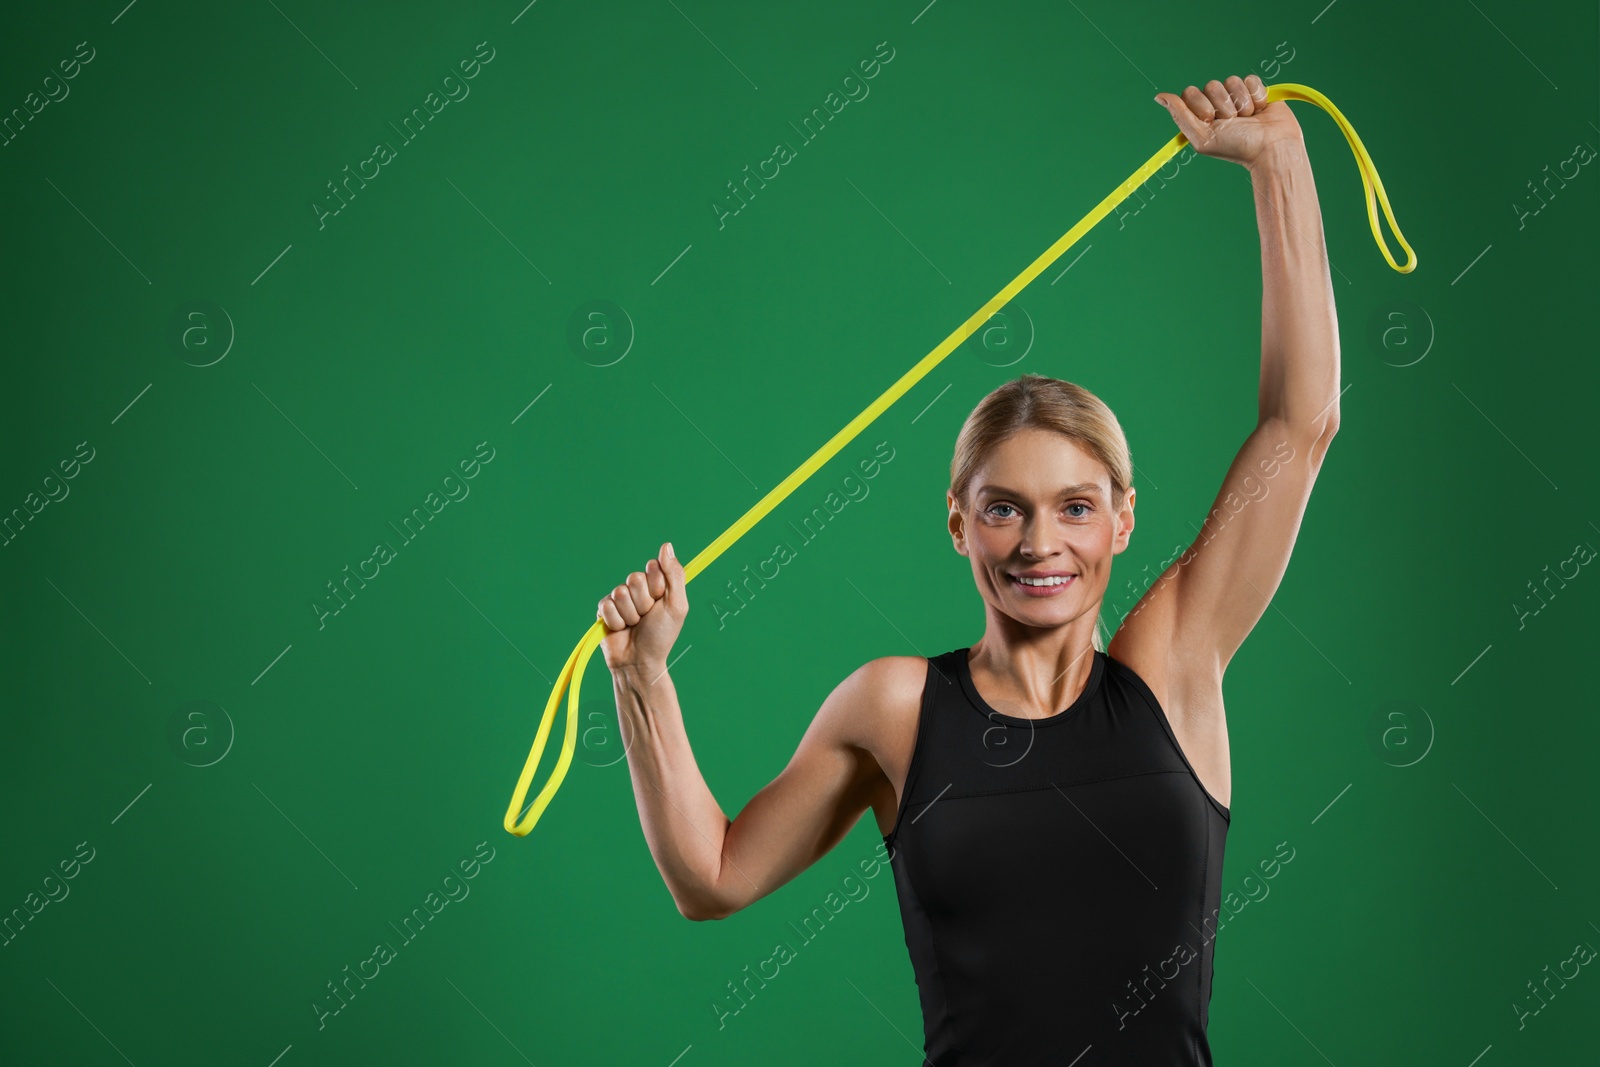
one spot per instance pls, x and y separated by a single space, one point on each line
1054 811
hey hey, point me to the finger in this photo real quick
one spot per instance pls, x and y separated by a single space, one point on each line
607 613
1200 104
1188 124
672 573
655 580
639 589
1257 90
1220 98
622 601
1242 102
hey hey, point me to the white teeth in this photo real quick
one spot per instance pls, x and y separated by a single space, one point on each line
1041 581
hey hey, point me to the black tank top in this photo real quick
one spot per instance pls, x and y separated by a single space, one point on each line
1058 878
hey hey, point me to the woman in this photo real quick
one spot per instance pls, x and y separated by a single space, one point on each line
1054 812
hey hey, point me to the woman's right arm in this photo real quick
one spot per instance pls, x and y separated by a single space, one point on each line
714 866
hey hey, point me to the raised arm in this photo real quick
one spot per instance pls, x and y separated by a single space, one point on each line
1206 603
714 866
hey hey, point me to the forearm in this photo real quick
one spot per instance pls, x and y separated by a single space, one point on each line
1299 327
683 824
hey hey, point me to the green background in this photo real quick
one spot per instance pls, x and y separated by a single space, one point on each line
367 757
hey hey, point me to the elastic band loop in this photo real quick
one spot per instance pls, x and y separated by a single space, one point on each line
572 673
1370 182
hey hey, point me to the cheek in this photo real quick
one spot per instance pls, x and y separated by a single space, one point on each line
991 541
1095 539
980 533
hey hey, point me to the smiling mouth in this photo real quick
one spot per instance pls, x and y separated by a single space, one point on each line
1042 583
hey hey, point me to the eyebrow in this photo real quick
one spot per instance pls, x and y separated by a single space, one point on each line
1081 489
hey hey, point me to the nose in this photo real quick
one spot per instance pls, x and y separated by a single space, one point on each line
1038 539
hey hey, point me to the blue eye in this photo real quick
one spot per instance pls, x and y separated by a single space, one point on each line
1086 507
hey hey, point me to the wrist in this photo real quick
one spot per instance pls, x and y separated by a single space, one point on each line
1283 156
643 672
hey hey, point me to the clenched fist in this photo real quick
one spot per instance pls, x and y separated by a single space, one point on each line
645 613
1232 120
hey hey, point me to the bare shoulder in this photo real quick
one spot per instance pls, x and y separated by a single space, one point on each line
878 697
1188 687
876 708
836 774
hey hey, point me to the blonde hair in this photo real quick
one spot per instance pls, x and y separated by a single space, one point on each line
1034 401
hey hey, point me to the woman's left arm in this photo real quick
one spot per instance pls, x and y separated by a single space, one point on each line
1212 596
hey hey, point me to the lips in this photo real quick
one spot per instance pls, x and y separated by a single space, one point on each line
1044 586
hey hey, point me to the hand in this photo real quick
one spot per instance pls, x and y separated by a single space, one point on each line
1232 120
645 613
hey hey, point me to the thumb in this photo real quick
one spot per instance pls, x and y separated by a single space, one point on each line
1195 131
672 572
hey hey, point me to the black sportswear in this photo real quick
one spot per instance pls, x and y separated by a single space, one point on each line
1058 878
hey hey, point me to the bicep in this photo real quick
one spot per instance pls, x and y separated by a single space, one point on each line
1220 587
811 805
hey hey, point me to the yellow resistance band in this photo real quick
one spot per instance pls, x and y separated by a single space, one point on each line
572 672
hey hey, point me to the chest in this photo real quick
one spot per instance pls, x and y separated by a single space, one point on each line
958 749
1111 843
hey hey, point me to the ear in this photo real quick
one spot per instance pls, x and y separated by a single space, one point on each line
1119 544
957 523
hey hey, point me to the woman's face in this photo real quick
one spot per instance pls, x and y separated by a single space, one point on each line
1041 505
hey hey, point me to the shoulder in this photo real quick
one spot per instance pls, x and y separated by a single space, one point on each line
889 682
881 694
1187 687
1188 694
1143 643
1125 656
